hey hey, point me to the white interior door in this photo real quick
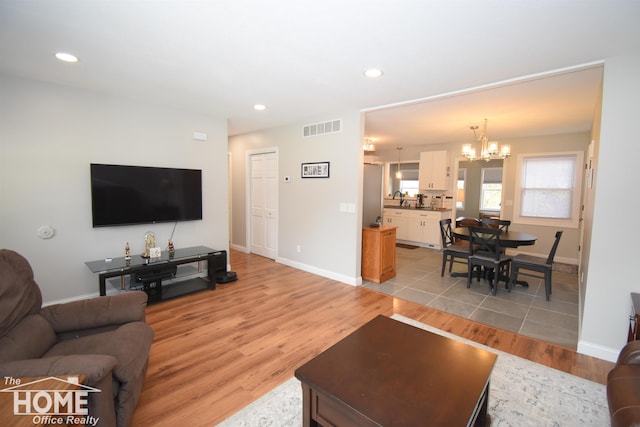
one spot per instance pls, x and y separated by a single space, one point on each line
264 203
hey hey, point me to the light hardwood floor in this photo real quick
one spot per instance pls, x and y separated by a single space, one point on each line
215 352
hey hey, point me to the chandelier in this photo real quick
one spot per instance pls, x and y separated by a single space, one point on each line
369 146
489 150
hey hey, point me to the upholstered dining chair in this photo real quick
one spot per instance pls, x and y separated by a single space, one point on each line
485 251
450 250
535 266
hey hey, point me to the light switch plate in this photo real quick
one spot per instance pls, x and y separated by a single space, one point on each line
200 136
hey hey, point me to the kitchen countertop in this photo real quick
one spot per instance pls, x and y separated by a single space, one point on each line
424 208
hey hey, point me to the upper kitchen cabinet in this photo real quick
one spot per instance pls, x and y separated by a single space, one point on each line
434 170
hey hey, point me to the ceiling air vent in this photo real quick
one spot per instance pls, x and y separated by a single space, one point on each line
332 126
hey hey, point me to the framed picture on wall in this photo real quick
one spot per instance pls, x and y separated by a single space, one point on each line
315 170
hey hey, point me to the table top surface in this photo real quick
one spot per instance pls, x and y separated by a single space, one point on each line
397 374
103 265
507 238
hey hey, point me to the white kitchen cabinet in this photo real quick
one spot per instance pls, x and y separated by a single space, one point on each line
424 227
418 226
397 218
434 171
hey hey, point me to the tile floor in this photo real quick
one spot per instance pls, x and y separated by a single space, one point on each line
523 310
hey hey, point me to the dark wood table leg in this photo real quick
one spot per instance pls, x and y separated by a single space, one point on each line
483 419
307 416
522 283
103 285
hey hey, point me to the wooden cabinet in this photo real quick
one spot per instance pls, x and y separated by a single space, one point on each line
378 253
397 218
434 171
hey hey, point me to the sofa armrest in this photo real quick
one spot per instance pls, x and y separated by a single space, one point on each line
630 354
97 312
94 366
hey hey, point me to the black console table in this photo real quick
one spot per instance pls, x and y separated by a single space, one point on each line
148 273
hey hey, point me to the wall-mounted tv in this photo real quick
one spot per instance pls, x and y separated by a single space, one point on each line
125 195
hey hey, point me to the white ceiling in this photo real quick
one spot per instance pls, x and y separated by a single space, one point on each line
305 58
558 103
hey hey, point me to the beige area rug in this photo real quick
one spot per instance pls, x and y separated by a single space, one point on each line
522 393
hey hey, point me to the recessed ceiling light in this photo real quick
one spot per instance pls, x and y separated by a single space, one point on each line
66 57
373 73
259 107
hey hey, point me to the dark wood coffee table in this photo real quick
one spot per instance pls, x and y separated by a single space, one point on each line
388 373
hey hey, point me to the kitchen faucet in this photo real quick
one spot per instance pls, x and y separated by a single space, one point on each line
401 196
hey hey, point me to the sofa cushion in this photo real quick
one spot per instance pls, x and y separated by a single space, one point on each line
623 389
129 344
108 312
29 339
19 293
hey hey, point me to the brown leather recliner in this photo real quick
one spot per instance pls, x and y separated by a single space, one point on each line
105 338
623 387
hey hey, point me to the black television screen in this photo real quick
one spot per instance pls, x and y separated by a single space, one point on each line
124 195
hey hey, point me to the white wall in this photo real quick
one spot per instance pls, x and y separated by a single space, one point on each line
568 247
613 273
309 209
50 134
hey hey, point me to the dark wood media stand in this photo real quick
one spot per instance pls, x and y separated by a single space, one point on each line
148 274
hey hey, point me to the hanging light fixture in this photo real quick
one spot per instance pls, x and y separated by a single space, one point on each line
368 145
399 172
489 150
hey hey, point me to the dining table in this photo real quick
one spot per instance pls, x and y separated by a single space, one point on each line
508 239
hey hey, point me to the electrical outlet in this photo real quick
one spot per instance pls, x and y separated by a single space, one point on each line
298 249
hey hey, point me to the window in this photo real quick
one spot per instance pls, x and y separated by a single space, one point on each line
409 186
548 191
408 183
491 189
460 186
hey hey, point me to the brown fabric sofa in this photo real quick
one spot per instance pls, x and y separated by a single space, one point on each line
104 338
623 387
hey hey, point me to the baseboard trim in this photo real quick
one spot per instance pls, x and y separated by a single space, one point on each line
599 351
110 291
319 271
240 248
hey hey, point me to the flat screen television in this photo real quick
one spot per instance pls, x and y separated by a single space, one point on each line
126 195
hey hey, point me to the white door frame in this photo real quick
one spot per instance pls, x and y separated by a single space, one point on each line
248 227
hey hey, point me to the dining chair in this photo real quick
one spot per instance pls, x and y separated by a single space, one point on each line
501 224
536 266
466 221
485 251
450 250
